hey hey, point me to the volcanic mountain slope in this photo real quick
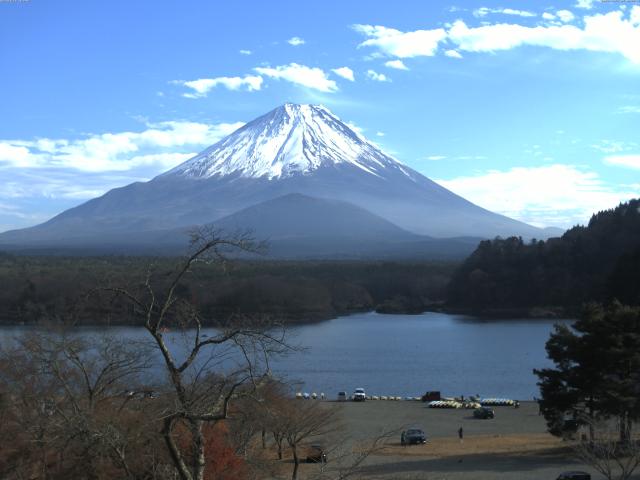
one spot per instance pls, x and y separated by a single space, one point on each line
293 149
297 225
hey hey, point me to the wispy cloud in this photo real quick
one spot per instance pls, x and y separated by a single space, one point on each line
629 109
586 4
397 64
558 195
245 52
310 77
296 41
565 15
613 146
484 11
629 161
344 72
378 77
401 44
203 86
453 54
161 145
616 32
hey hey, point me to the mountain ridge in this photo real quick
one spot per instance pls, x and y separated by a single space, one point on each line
300 149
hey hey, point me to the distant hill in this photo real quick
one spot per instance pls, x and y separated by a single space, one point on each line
598 262
300 226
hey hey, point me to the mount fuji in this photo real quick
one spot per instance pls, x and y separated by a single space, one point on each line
301 154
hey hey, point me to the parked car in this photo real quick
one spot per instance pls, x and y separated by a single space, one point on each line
431 396
484 413
316 454
342 396
412 436
359 395
575 475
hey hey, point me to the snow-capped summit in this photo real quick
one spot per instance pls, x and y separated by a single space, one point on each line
291 139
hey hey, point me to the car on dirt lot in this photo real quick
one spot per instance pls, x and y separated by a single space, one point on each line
359 395
483 413
413 436
316 454
575 475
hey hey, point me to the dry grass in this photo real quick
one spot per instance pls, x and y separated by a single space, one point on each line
478 444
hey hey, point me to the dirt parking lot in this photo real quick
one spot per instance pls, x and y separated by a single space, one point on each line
514 445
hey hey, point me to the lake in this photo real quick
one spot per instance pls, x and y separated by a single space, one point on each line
406 355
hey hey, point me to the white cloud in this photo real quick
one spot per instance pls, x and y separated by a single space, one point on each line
16 154
601 33
565 15
436 157
245 52
586 4
314 78
613 32
453 54
397 64
559 195
378 77
296 41
399 44
202 86
548 16
484 11
344 72
629 161
612 146
156 146
380 134
629 109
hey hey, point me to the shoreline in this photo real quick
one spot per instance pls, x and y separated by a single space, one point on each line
533 313
536 313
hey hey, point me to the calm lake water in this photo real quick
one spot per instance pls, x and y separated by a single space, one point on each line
406 355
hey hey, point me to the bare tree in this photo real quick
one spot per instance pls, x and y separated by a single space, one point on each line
208 371
606 453
66 411
304 421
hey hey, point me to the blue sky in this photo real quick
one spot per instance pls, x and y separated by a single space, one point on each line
531 109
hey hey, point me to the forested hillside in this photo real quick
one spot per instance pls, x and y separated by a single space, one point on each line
600 262
38 289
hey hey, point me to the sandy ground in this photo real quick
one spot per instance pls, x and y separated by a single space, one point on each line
514 445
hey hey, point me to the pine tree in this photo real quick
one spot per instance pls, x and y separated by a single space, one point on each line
597 371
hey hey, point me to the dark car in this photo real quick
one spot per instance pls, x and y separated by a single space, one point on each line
316 454
412 436
430 396
574 476
483 413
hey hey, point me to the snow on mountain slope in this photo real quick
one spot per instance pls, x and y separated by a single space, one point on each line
291 139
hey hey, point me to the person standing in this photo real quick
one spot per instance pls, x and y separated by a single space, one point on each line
460 434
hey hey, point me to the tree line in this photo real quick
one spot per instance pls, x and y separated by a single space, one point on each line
37 288
598 262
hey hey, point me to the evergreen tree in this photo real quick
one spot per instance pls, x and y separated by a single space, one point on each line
597 371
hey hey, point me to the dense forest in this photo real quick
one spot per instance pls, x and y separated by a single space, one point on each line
37 288
597 262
